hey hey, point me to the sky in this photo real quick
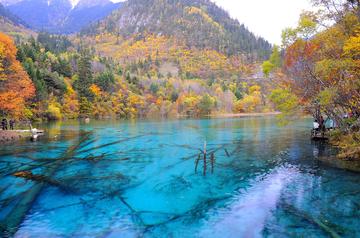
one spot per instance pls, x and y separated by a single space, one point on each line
265 18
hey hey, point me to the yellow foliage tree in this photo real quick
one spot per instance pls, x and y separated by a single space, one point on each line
70 105
251 101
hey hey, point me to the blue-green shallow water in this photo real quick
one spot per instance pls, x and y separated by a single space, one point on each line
268 182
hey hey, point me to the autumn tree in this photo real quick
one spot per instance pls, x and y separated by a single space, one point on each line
251 101
70 102
105 80
323 63
16 87
326 66
274 61
286 102
206 104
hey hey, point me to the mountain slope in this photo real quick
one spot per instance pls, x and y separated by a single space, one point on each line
42 14
199 23
9 16
87 11
12 25
60 16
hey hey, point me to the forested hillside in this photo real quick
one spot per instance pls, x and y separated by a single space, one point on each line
72 81
147 59
197 24
188 40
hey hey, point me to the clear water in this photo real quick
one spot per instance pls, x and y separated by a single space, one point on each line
137 179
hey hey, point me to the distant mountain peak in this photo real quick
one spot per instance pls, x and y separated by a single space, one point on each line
9 2
60 16
91 3
4 13
74 3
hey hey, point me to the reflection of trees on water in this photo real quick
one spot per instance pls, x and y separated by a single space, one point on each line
319 148
324 154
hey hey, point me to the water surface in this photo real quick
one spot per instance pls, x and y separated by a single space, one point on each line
137 179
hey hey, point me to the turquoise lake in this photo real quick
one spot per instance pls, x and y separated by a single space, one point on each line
138 179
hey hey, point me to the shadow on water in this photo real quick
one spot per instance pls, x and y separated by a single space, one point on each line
111 179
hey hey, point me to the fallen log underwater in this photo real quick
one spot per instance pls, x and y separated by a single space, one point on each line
10 224
90 158
41 178
15 217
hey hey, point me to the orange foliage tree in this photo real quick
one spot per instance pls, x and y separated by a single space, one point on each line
16 88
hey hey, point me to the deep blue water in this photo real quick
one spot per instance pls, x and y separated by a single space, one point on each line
137 179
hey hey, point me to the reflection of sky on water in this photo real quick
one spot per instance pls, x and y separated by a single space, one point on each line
248 211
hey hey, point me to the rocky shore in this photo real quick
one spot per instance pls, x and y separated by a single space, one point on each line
10 136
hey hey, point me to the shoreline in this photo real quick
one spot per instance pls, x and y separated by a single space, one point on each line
345 164
13 135
251 114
